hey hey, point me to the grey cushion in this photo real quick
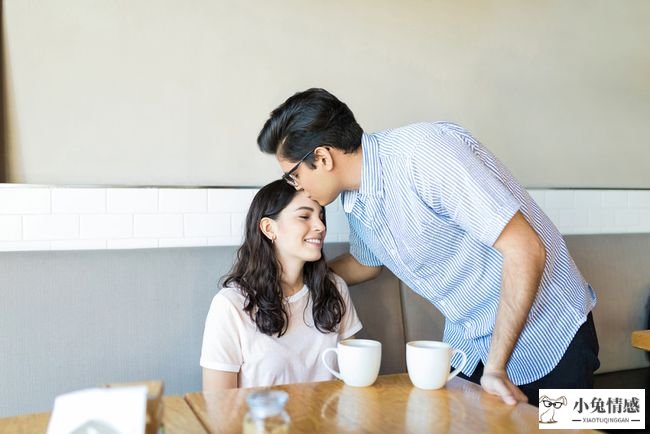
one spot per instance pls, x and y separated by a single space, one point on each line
618 268
76 319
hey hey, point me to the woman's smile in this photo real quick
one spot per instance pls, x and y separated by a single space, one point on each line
316 242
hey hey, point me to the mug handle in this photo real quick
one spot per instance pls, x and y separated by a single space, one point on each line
462 364
322 357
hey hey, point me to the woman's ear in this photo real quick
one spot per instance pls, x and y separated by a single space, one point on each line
267 226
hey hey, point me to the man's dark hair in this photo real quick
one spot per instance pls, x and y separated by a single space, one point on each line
257 272
307 120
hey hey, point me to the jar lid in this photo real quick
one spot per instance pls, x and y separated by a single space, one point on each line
267 403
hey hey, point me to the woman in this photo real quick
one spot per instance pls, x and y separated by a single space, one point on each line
280 306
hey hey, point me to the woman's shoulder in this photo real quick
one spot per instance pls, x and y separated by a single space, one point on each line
231 294
339 282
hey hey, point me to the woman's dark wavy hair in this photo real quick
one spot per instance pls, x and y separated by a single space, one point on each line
257 272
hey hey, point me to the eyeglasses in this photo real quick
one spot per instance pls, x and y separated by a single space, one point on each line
554 404
289 177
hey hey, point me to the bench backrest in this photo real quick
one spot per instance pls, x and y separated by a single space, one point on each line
77 319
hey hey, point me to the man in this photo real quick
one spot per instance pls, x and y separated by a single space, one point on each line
445 216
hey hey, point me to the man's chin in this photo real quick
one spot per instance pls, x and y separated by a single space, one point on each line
327 201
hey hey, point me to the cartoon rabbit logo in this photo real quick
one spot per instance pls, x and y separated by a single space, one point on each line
550 404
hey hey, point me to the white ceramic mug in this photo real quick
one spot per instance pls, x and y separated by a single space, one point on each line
428 363
359 361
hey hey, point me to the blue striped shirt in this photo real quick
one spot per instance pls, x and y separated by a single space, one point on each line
431 204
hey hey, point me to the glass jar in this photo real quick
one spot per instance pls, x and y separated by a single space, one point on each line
266 413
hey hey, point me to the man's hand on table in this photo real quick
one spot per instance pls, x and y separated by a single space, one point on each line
498 383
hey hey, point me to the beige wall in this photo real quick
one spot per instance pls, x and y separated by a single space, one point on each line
174 93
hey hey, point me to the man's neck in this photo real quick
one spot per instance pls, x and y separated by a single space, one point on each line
350 166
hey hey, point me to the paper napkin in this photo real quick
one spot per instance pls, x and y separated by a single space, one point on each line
100 411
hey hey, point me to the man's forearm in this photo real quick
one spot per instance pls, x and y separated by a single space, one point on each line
518 291
351 270
523 265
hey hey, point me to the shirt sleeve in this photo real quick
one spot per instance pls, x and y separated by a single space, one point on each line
455 183
361 251
350 323
221 337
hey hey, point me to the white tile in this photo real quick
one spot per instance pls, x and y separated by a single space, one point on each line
539 196
603 219
343 238
571 230
559 199
237 224
158 226
230 200
133 243
644 220
554 215
639 198
78 200
14 246
337 223
207 225
132 200
225 241
586 199
334 237
25 200
11 228
615 199
60 227
626 218
106 226
335 206
50 227
78 245
182 242
573 219
183 200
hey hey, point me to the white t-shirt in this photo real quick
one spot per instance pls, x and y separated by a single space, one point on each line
231 341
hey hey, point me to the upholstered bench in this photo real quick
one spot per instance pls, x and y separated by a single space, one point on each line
76 319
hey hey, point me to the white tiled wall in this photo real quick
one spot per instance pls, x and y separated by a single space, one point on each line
596 211
50 218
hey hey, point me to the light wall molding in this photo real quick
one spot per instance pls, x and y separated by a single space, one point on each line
34 217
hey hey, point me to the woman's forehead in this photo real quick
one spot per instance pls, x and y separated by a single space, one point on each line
301 201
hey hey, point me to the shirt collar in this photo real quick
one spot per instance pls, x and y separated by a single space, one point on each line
298 295
371 183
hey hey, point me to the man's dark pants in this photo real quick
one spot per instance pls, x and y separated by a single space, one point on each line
574 371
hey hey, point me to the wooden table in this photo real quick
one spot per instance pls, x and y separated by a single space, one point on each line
391 405
177 418
641 339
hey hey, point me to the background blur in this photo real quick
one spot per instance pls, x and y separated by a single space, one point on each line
162 92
